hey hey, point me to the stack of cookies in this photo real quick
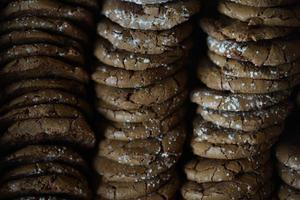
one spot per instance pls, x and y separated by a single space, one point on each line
253 62
288 167
44 113
141 88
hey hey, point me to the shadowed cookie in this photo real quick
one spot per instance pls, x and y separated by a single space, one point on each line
121 78
49 9
288 193
141 41
41 67
265 3
151 16
272 16
40 131
40 197
288 153
112 56
211 170
290 176
232 67
213 77
226 101
144 152
224 28
269 53
140 131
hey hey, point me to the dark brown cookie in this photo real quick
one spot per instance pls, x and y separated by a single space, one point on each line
40 197
91 4
212 77
288 153
49 9
112 56
151 16
290 176
269 53
247 121
232 67
76 132
212 170
48 185
141 41
264 3
121 78
226 101
271 16
288 193
224 28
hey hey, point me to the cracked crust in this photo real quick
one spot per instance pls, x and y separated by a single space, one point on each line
205 131
212 170
247 121
150 17
46 184
112 56
265 3
290 176
141 41
65 53
278 16
144 152
263 53
41 67
213 78
288 153
121 78
224 28
49 9
288 193
75 132
225 101
232 67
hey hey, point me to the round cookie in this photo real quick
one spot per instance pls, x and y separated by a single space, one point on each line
49 9
75 132
265 3
205 131
144 152
247 121
141 41
232 67
41 67
211 170
267 53
112 56
121 78
145 2
225 101
289 176
152 16
58 26
278 16
212 77
224 28
288 193
69 54
144 114
48 185
288 153
139 131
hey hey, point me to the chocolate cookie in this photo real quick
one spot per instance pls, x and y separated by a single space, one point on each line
41 67
213 77
145 2
112 56
288 193
144 152
269 53
224 28
151 16
40 131
212 170
288 153
232 67
290 176
247 121
141 41
277 16
48 185
40 197
121 78
265 3
49 9
226 101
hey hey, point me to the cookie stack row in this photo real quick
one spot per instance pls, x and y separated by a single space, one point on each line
252 64
141 88
44 114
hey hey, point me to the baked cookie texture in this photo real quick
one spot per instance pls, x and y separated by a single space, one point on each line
248 74
141 87
45 111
